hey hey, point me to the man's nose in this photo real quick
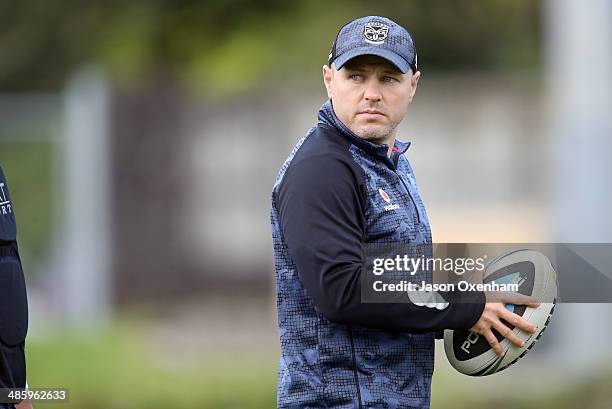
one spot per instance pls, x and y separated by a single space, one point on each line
372 92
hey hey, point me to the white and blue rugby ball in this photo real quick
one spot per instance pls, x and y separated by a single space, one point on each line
470 353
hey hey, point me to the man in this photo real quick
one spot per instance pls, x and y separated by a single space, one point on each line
13 301
345 185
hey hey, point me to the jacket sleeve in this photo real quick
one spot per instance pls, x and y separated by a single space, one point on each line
321 208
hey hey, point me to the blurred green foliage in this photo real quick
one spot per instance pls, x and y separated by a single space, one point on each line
226 46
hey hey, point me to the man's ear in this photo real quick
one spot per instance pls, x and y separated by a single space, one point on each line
414 80
328 79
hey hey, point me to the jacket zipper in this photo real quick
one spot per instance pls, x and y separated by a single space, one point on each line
350 329
416 208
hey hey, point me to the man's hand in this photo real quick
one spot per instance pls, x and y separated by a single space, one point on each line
495 311
25 404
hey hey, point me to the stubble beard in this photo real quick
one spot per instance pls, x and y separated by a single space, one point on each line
376 136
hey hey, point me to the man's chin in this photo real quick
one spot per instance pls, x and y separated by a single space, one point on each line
373 133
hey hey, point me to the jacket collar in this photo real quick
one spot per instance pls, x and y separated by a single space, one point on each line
327 116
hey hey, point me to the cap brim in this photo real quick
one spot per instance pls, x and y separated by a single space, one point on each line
393 58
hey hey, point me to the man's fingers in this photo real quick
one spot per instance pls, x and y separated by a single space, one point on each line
488 334
518 321
507 333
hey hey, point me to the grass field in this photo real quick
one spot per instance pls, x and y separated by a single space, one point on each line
122 366
117 368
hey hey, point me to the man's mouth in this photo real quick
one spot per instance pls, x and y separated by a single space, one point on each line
371 113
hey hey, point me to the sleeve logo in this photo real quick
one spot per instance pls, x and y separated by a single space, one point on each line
5 204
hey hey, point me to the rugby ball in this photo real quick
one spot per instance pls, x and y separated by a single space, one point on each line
469 352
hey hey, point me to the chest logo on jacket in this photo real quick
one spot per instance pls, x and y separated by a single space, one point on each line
387 199
5 204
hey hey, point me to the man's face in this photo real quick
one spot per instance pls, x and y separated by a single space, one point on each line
370 95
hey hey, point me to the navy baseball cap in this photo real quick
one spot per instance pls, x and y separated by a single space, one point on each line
374 35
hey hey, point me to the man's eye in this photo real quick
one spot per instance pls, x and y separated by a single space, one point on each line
389 79
356 77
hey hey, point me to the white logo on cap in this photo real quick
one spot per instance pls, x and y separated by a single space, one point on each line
375 33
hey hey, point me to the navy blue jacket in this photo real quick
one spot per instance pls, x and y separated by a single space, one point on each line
335 194
13 300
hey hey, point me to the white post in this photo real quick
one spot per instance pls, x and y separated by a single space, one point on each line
579 85
84 265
